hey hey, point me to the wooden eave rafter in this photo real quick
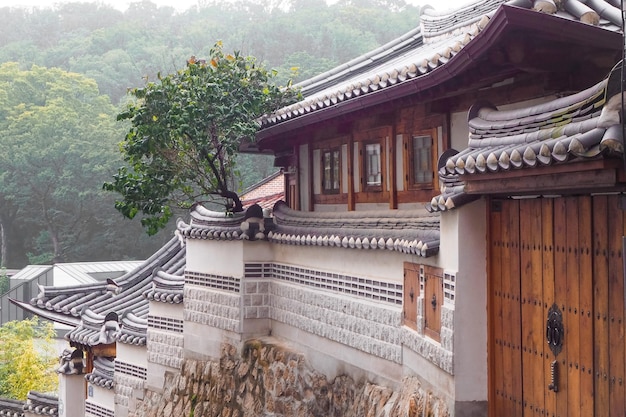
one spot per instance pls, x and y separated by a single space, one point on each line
599 176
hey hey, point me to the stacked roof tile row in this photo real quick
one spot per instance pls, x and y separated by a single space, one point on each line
582 126
102 374
42 404
418 53
86 306
166 288
11 408
408 231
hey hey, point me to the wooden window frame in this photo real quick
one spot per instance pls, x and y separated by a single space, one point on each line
378 136
335 170
410 160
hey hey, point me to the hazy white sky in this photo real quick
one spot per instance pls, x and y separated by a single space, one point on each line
185 4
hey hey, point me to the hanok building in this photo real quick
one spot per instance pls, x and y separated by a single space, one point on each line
483 282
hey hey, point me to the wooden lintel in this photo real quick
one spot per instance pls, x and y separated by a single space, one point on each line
104 350
600 164
597 180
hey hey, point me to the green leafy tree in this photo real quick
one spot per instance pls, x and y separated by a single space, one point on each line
186 131
59 139
27 358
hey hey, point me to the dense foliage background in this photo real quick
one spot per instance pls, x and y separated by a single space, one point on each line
69 152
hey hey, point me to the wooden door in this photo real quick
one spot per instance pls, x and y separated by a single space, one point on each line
559 258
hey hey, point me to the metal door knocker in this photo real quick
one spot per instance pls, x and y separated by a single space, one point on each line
554 329
555 333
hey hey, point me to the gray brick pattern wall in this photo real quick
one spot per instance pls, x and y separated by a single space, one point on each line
165 348
125 386
371 328
256 299
219 309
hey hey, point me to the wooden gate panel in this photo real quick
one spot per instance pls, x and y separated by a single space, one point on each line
570 312
547 230
496 250
560 298
511 362
585 306
616 309
600 310
536 307
568 252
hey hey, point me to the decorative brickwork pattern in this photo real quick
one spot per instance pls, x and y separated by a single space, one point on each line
371 328
125 388
213 308
372 289
130 369
219 282
165 348
165 323
95 410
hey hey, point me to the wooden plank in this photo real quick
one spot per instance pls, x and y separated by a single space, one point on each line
600 306
536 307
509 216
547 231
585 312
411 290
516 311
616 309
573 181
560 297
495 267
351 203
526 277
571 320
393 187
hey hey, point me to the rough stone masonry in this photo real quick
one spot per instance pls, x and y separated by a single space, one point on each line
268 379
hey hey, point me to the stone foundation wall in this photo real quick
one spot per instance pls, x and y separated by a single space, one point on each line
267 378
165 348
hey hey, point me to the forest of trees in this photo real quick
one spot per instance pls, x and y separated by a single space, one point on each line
64 76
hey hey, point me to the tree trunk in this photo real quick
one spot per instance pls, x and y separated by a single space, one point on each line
238 207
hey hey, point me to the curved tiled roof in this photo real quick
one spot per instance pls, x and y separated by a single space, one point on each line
208 224
166 288
102 374
86 306
422 51
408 231
43 404
582 126
11 408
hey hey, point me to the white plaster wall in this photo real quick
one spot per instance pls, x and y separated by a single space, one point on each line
257 251
215 257
135 355
303 175
356 178
71 395
204 342
459 130
317 171
399 165
174 311
344 168
464 250
101 396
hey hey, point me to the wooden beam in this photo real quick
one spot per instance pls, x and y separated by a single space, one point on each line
574 181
